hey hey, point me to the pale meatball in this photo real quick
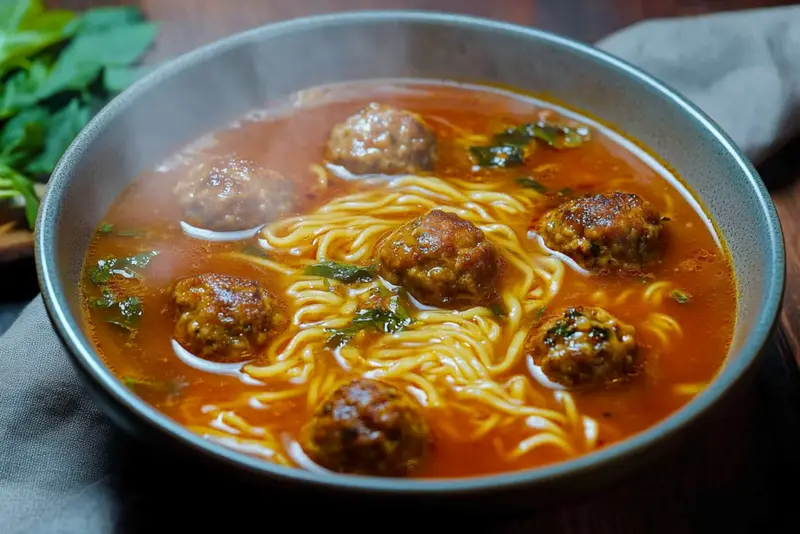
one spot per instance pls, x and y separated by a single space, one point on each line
381 139
229 194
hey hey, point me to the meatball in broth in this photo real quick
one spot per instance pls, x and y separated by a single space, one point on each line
442 260
381 139
224 318
229 194
368 427
585 347
605 232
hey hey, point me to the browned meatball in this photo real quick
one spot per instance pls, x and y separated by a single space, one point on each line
224 318
381 139
585 347
367 427
229 194
607 231
442 260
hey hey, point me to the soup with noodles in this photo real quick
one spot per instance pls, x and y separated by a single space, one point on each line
403 278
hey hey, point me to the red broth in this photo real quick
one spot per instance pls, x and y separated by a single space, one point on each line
682 355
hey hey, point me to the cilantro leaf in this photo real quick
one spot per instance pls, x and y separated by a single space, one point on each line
497 156
681 297
128 267
530 183
343 272
558 136
387 320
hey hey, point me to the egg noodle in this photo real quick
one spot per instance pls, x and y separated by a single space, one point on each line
470 364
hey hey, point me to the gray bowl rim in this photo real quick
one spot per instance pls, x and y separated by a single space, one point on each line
84 354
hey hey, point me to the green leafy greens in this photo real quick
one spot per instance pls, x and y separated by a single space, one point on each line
343 272
170 389
530 183
511 145
119 309
57 68
125 312
109 229
387 320
681 297
128 267
557 136
497 156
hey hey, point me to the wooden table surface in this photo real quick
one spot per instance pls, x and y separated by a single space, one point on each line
737 474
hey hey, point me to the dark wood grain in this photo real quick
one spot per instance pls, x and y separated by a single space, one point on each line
738 473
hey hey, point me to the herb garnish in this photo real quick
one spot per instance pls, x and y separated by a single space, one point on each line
124 312
128 267
497 155
558 136
170 388
108 229
57 68
530 183
343 272
681 297
386 320
497 310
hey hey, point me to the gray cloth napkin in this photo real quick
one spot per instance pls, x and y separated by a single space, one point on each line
64 469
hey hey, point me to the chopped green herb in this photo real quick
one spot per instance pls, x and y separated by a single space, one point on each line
681 297
107 299
573 313
124 312
561 329
387 321
565 192
555 135
108 229
530 183
169 387
342 272
598 333
539 314
498 310
384 291
129 267
594 248
497 156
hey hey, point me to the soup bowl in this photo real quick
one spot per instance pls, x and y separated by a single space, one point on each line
211 86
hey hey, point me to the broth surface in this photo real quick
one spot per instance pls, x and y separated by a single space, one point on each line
692 285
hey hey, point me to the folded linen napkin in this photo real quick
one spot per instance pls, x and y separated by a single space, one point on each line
64 469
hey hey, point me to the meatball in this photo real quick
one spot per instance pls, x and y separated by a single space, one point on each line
381 139
229 194
585 347
605 232
442 260
367 427
224 318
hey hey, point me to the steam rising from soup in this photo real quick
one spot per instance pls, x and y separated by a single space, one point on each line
405 278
